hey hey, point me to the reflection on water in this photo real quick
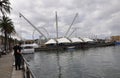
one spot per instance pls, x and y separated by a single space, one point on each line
91 63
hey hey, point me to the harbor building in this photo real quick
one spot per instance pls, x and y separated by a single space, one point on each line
115 38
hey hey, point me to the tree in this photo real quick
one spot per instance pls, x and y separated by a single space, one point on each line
10 32
7 28
5 7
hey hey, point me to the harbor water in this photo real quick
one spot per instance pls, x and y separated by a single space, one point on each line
102 62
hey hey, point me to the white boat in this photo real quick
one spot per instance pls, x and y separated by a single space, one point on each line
28 48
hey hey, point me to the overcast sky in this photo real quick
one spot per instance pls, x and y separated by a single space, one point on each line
99 18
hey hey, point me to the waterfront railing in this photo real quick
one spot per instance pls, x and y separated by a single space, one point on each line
27 72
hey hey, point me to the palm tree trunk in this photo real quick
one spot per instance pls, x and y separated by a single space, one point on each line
5 45
9 42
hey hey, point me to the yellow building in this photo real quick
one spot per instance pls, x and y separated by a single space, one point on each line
115 38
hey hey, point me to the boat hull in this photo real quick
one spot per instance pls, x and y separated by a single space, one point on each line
117 43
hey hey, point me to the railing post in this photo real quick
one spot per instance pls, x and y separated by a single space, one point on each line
28 73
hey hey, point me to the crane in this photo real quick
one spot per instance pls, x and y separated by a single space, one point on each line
72 32
43 29
56 24
33 25
71 25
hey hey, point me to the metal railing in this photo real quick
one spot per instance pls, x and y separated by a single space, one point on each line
27 72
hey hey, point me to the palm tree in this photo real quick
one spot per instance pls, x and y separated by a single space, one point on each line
10 32
7 28
5 7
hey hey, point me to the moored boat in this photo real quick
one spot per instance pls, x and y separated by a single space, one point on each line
117 43
28 48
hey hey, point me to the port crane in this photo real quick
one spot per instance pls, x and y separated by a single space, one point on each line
71 26
72 32
33 25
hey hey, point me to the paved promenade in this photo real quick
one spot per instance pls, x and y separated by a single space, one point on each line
17 74
7 69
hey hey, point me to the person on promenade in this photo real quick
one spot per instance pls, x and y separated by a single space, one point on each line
17 55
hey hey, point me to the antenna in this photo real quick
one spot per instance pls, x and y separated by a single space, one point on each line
71 25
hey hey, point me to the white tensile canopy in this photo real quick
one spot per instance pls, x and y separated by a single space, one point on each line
87 40
63 40
51 41
74 40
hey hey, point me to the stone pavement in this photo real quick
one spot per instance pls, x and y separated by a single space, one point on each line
17 74
7 69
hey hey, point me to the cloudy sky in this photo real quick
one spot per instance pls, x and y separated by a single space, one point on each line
96 18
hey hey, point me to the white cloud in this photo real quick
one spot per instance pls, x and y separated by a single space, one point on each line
96 17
